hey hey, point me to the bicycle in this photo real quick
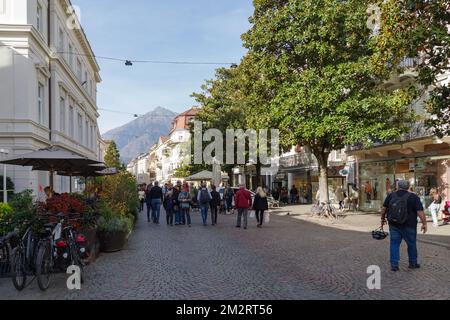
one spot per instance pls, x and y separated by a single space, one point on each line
326 210
60 248
23 257
7 242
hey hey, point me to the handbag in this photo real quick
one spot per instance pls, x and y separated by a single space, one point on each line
252 214
266 217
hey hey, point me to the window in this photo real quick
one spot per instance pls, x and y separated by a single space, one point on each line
71 120
91 86
86 135
61 41
79 69
39 17
70 55
80 128
40 104
62 115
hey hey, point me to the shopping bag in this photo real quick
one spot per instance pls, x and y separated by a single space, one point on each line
252 215
266 217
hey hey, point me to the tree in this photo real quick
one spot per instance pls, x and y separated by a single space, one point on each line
112 157
317 57
412 28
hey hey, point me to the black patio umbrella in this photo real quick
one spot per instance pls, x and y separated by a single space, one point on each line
96 170
51 159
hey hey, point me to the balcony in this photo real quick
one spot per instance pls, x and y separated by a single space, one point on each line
299 160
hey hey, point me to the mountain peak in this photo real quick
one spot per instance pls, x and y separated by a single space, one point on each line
137 136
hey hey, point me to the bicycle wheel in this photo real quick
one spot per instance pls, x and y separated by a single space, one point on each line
43 266
77 261
18 273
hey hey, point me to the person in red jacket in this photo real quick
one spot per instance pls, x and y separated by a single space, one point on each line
242 202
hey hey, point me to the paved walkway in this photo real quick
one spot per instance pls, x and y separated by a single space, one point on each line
364 222
288 259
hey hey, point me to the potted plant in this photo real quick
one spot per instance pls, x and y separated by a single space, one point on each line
113 229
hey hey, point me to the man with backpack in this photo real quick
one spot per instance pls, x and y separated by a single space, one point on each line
401 210
243 202
204 199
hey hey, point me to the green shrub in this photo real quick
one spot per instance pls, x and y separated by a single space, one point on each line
119 192
5 216
111 221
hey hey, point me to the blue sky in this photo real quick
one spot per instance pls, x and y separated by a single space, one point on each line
179 30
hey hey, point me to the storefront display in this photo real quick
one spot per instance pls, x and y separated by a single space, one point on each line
378 179
376 183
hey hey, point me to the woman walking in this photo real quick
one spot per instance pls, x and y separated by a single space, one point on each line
184 199
168 204
260 206
141 195
435 207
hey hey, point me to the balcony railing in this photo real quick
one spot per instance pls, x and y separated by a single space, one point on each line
298 160
410 63
418 130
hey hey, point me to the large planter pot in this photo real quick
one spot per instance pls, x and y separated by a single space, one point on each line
112 241
93 243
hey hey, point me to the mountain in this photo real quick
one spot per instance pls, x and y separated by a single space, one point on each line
138 136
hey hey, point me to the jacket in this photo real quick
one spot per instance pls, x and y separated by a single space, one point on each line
154 193
242 199
215 202
260 203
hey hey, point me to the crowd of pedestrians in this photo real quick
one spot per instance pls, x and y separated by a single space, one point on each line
179 200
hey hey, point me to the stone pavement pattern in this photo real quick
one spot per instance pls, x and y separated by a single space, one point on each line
288 259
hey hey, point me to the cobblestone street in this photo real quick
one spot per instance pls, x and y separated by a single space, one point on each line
288 259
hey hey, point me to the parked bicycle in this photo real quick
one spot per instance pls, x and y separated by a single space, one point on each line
326 210
62 247
7 243
23 256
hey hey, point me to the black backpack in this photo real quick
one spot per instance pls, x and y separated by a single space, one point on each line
204 197
398 209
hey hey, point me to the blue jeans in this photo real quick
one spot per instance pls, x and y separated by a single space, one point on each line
293 199
186 214
204 211
156 209
149 210
398 234
178 217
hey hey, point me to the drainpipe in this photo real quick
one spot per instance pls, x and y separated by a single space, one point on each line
50 69
50 93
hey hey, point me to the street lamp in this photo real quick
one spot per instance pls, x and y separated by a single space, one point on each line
5 189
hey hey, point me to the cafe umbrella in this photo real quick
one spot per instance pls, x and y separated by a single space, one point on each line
91 171
52 159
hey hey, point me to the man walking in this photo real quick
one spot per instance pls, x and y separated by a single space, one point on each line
204 199
401 210
243 201
156 199
215 203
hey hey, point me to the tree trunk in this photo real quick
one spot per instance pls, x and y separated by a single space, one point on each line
258 175
322 159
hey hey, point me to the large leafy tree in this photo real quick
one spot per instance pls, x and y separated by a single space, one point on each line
112 156
316 55
238 98
421 29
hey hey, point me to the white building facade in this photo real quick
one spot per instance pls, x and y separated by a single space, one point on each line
49 77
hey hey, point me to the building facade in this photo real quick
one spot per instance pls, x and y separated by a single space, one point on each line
49 78
419 157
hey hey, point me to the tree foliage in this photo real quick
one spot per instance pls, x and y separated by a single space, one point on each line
112 156
316 55
420 28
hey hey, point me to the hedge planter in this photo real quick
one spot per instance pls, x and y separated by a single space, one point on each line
93 243
112 241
